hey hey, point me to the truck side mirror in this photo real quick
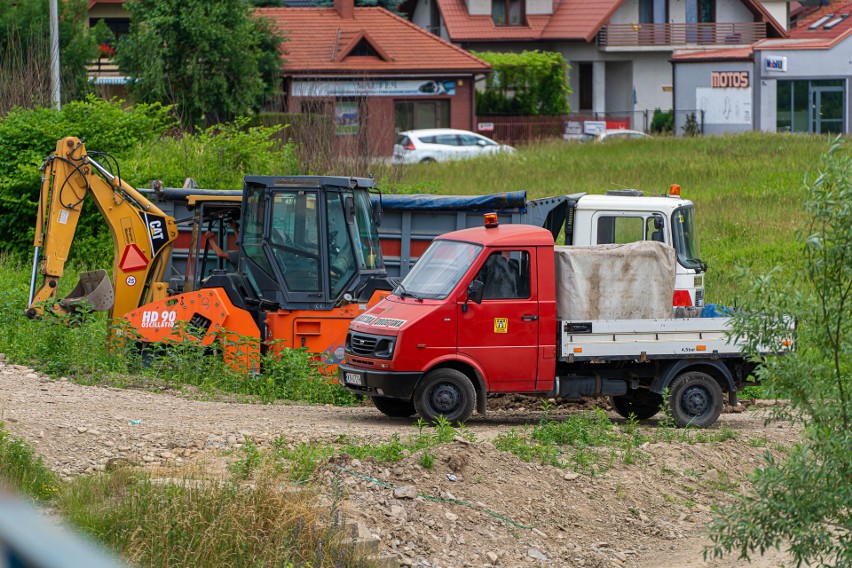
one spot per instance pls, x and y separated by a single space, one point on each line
659 222
474 294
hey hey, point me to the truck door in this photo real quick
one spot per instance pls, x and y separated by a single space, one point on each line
502 332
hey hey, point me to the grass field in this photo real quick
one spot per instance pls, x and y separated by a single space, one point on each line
747 189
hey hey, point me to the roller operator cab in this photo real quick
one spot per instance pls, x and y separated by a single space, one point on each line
480 313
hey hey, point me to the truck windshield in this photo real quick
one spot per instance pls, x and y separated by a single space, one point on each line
439 270
686 239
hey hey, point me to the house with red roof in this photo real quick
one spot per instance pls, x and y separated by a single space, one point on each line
619 50
799 83
376 72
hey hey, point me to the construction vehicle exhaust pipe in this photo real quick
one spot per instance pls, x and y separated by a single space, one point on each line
94 290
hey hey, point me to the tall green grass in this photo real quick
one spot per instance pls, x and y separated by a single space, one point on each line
76 346
747 188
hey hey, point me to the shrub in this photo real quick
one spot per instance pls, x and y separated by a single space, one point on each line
662 122
529 83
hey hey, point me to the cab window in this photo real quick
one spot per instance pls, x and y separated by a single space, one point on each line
620 230
506 275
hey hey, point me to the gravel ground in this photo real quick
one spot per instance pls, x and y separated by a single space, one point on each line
476 507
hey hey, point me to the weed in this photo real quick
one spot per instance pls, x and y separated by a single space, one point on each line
23 469
426 459
250 459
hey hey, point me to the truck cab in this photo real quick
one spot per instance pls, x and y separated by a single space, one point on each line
505 338
626 216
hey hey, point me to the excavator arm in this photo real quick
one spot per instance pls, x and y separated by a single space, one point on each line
142 236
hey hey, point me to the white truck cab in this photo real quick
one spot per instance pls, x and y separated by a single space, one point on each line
626 216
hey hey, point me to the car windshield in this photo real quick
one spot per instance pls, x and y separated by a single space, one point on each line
686 239
439 270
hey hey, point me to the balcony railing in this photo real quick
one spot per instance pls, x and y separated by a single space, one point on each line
650 35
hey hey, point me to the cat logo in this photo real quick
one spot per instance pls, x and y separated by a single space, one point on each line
501 325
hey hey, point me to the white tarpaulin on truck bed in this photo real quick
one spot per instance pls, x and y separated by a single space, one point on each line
631 281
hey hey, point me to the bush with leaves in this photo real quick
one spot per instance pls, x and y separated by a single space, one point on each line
27 136
804 504
529 83
663 121
214 61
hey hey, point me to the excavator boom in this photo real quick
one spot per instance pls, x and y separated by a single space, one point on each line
142 236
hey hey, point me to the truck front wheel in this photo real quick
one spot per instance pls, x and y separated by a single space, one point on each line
695 399
641 403
445 392
394 407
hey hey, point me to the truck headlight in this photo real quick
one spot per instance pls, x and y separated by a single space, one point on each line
384 348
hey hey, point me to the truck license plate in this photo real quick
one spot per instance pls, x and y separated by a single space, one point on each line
354 379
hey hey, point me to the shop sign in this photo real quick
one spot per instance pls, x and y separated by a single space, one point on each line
573 128
729 79
594 126
378 88
485 127
346 117
775 64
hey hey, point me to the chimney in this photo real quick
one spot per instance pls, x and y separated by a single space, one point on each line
346 8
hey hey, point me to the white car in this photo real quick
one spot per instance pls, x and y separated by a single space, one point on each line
442 144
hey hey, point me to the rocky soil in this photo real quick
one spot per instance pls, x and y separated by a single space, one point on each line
477 506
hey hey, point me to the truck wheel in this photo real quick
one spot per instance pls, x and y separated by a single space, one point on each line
394 407
445 392
641 403
695 399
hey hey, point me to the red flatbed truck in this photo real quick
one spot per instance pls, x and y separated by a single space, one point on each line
443 341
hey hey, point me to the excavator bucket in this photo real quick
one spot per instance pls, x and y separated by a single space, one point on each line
94 290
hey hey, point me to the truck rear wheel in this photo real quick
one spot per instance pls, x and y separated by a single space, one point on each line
695 399
445 392
641 403
394 407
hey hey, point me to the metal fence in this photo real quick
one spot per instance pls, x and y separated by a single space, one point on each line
526 129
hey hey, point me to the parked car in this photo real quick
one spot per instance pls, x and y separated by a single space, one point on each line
620 134
442 144
609 134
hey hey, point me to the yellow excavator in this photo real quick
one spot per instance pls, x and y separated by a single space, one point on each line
286 262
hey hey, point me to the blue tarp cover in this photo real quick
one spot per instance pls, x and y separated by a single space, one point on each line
515 200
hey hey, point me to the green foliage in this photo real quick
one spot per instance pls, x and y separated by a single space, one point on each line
25 49
213 60
691 127
23 469
590 442
205 523
529 83
804 503
27 136
662 122
216 158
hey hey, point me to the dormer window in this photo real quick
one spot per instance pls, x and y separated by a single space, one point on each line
507 12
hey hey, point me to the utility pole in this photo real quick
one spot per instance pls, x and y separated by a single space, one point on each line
54 54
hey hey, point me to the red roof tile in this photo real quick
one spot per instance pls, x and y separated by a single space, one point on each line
317 40
572 20
802 37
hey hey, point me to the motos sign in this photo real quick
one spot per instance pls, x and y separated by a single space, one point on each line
728 79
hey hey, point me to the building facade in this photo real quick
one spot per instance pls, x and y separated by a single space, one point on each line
798 84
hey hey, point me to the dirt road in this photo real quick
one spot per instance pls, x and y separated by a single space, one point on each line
477 506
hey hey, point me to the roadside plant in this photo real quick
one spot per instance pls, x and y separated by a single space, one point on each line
804 503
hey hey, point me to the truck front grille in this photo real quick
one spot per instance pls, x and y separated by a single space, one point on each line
361 344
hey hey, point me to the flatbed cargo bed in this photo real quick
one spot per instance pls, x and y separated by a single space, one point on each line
647 339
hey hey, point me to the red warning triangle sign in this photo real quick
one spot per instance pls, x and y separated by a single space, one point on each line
132 259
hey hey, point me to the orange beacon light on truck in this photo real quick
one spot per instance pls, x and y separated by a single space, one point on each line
491 220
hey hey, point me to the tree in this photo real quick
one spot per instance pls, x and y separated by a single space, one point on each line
529 83
25 52
805 503
213 60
